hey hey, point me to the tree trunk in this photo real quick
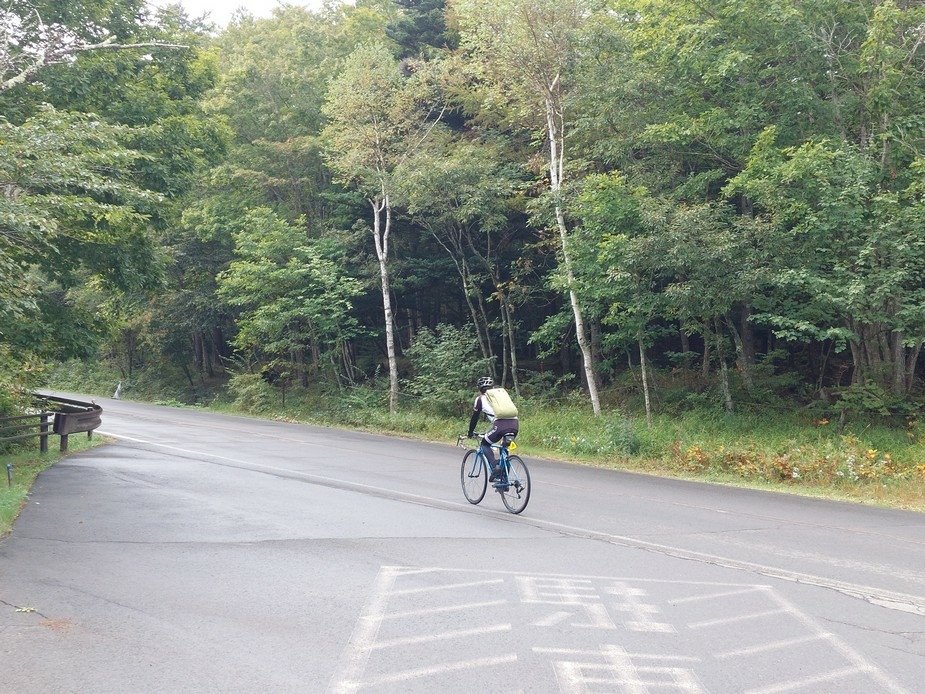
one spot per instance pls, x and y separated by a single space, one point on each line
723 368
745 367
747 331
488 350
899 364
911 363
857 373
512 348
505 352
469 289
685 341
381 238
705 366
198 353
645 379
556 170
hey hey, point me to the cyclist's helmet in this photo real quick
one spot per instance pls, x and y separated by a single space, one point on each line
485 382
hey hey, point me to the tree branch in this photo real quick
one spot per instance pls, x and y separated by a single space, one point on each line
61 47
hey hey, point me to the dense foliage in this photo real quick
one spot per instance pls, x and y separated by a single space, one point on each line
719 203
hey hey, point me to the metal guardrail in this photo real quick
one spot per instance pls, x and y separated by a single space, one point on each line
66 417
33 424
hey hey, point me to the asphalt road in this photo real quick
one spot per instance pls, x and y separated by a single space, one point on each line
208 553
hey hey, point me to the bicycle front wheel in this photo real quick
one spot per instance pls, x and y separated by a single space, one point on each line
474 476
517 494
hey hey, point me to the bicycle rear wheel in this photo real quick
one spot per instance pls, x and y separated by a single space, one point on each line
517 493
474 476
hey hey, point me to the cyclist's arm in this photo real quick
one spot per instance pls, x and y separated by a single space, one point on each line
476 411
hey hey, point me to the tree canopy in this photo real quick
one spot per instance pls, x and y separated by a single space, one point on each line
594 191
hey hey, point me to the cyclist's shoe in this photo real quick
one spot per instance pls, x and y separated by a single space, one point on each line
497 474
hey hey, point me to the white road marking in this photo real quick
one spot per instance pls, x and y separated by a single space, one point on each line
861 665
717 596
640 612
450 586
430 671
574 677
807 682
611 666
580 592
553 619
725 621
355 656
577 652
443 636
773 646
444 608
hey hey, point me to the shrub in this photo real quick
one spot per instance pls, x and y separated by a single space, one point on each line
446 364
252 393
838 461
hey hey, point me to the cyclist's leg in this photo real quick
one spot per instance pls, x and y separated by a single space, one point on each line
491 437
499 429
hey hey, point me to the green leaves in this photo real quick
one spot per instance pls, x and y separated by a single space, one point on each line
68 183
378 117
290 290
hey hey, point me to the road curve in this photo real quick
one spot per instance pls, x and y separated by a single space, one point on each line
208 553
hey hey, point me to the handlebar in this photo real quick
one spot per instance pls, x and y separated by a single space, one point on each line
476 436
463 437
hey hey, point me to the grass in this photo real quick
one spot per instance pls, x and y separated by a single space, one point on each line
873 464
23 468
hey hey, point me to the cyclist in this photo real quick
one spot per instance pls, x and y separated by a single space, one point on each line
500 425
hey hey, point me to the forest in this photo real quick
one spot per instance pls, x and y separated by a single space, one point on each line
644 206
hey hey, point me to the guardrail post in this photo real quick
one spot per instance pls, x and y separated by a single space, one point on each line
64 443
43 433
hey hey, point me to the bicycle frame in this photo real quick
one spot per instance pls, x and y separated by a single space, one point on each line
479 459
503 460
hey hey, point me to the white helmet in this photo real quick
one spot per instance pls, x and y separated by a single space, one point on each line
485 382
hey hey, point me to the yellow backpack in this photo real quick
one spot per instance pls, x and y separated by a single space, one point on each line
501 403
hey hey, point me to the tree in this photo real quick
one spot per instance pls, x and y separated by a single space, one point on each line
527 50
295 300
421 28
619 266
464 193
845 202
378 119
851 251
70 207
28 44
153 93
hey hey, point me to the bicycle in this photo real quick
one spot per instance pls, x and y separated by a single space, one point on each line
514 485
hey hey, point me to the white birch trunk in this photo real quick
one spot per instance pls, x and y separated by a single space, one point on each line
645 380
381 238
556 171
